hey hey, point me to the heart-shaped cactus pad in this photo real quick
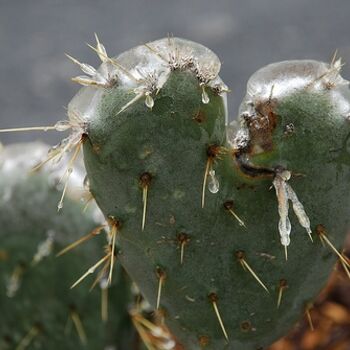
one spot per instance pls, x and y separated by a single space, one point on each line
229 231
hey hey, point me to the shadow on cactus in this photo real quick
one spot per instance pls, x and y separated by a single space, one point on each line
229 231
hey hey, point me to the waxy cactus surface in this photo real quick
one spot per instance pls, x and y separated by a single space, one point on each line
229 231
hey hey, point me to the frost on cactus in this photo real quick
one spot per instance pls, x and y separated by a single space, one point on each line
143 71
197 209
267 89
37 308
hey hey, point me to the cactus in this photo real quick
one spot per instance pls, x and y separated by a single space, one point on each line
37 308
199 210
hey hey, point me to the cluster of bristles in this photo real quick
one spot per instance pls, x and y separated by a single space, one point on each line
147 86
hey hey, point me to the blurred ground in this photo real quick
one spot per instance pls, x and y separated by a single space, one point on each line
246 35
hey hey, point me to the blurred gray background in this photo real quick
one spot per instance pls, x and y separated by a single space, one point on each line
246 34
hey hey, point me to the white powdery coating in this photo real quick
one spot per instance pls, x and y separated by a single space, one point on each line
284 225
284 193
213 183
279 80
44 248
238 138
298 209
145 69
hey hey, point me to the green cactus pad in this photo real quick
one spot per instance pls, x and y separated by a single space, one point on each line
159 132
38 310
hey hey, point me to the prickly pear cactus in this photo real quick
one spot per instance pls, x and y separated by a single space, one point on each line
38 310
229 231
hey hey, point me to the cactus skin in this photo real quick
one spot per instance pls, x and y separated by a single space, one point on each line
170 142
165 146
43 299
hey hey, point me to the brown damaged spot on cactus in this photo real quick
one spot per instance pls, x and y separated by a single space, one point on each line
214 151
250 170
261 126
113 221
218 89
203 340
245 326
200 117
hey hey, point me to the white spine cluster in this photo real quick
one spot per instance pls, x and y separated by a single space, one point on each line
285 193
